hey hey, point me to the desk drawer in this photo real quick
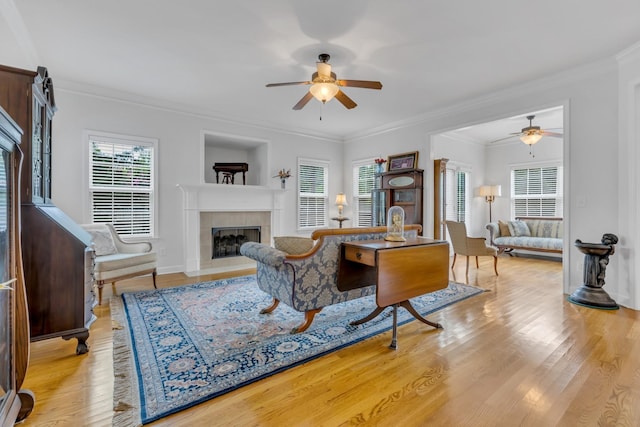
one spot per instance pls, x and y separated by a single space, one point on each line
367 257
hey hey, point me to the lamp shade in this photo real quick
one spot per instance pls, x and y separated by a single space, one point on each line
490 190
530 138
324 92
341 199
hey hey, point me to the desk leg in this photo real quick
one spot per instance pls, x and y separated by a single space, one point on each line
407 305
394 336
371 316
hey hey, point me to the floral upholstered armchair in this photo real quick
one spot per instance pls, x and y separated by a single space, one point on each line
308 281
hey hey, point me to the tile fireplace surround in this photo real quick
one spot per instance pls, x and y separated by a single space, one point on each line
217 205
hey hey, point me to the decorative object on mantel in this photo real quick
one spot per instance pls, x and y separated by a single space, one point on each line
596 258
221 342
341 201
380 164
283 174
395 225
229 170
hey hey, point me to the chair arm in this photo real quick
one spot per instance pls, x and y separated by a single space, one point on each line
476 244
128 247
263 253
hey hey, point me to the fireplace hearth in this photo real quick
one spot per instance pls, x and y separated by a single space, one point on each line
226 241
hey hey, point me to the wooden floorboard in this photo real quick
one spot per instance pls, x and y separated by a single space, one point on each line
519 354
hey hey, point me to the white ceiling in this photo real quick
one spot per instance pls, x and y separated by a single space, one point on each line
215 57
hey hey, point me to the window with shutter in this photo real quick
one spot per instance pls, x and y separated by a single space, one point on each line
536 191
121 183
312 193
363 182
457 197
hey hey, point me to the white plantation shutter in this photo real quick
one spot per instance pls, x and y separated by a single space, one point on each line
312 193
537 191
363 181
456 208
122 184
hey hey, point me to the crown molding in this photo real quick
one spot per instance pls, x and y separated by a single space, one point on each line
562 78
112 95
631 53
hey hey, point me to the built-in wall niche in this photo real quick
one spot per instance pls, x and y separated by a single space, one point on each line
224 148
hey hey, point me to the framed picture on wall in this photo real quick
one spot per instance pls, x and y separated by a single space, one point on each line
403 161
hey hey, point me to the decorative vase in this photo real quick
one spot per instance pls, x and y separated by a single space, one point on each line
379 167
283 183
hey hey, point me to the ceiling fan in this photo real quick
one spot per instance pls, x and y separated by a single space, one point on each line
531 134
325 86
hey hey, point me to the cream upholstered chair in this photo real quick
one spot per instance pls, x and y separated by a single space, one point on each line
116 259
469 246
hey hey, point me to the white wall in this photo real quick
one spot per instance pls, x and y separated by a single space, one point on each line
590 98
179 158
471 156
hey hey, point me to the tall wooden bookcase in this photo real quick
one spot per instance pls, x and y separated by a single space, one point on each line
57 253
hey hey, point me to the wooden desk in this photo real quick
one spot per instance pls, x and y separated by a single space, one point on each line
400 271
231 169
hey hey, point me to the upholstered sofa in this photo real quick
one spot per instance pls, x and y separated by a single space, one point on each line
527 233
308 281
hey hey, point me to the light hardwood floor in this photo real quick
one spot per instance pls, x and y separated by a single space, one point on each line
517 355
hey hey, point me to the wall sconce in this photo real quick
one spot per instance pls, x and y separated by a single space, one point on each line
490 192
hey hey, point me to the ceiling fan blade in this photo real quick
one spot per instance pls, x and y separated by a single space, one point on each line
289 84
553 134
345 100
513 135
303 101
366 84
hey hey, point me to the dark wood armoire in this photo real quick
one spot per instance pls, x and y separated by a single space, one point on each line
57 253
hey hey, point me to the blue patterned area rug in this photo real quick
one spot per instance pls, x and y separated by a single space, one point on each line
177 347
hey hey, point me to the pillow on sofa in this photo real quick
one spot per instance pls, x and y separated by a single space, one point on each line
102 239
519 228
504 229
293 245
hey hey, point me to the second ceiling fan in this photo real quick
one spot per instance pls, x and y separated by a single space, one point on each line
531 134
325 86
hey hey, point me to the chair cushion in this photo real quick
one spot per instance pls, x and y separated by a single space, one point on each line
293 245
519 228
504 229
102 239
120 261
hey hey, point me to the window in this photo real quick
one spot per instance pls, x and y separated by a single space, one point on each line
363 182
312 193
121 182
536 191
457 194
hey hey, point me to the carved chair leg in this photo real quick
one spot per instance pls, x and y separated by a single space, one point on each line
272 307
154 274
477 265
454 260
308 318
467 271
495 264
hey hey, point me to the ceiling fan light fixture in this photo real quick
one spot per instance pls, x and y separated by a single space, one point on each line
530 138
324 92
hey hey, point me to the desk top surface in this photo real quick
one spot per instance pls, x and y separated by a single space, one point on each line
385 244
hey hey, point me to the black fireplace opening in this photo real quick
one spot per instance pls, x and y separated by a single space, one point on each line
227 240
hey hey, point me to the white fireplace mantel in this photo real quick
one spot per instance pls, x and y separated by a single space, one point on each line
223 198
